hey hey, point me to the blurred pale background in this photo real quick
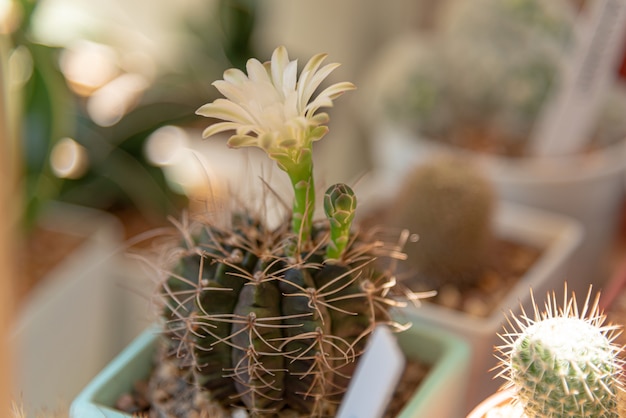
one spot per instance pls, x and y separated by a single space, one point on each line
102 99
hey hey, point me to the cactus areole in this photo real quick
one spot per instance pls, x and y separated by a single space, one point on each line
275 319
564 363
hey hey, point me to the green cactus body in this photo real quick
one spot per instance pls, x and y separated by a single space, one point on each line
563 363
306 351
203 287
565 377
354 311
257 326
257 363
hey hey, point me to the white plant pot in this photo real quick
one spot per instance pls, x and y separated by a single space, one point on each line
558 237
65 331
588 188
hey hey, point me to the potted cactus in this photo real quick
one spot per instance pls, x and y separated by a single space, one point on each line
560 362
481 88
269 319
480 254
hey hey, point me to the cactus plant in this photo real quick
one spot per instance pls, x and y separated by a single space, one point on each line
484 78
449 203
275 318
563 362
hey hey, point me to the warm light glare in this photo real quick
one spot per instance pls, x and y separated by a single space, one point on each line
60 22
138 62
111 102
69 159
20 66
193 175
166 146
9 16
186 169
88 66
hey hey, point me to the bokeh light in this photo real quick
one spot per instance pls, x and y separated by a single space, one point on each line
69 159
111 102
166 146
10 16
88 66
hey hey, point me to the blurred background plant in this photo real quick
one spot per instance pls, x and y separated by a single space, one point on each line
487 72
483 79
8 212
99 78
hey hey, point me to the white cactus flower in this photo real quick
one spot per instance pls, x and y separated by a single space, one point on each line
270 108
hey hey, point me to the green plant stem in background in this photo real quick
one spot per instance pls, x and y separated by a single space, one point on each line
5 123
11 98
48 117
238 20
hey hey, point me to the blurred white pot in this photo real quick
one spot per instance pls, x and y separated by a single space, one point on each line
68 328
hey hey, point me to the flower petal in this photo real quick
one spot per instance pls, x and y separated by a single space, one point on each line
225 110
307 73
235 76
289 79
318 133
257 72
337 90
239 141
326 97
232 92
315 81
273 108
219 127
319 119
280 60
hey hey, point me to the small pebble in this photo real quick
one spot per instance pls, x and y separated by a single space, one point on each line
476 307
449 296
126 403
490 281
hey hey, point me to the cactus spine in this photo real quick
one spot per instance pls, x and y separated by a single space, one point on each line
563 363
276 318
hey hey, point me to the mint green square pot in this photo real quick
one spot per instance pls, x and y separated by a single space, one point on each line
441 393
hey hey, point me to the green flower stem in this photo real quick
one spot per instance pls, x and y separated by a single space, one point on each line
300 172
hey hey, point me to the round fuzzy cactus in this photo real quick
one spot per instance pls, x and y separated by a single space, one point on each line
449 203
563 362
274 318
